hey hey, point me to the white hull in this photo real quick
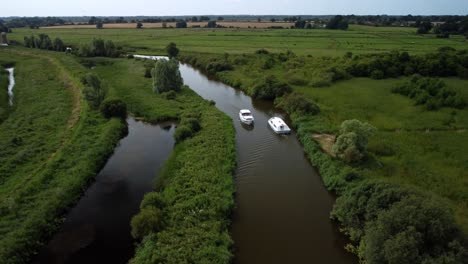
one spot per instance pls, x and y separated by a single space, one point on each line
245 116
278 125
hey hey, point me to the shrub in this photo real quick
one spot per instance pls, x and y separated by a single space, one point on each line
172 50
192 123
377 74
297 103
270 88
148 220
182 132
351 143
262 51
114 108
152 199
171 95
214 67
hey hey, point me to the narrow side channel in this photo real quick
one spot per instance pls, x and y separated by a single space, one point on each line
11 85
97 229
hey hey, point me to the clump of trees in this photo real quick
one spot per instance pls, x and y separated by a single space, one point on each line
388 223
338 22
4 28
295 103
43 41
432 93
139 25
443 63
181 24
270 88
95 91
166 76
352 140
114 108
99 48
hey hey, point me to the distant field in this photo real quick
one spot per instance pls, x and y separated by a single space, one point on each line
189 25
316 42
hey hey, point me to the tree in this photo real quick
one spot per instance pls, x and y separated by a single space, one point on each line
181 24
338 22
211 24
58 45
139 25
220 18
95 92
172 50
351 144
194 19
424 27
166 76
99 25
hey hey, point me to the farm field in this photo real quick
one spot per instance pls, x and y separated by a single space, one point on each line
316 42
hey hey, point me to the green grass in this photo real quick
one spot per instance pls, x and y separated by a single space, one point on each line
51 146
413 146
4 107
196 183
358 39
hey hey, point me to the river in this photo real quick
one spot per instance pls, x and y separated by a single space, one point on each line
282 207
11 84
97 229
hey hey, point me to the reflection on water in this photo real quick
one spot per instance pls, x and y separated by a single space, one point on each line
282 213
97 229
11 84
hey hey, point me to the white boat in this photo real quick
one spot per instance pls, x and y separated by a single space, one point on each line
246 117
278 125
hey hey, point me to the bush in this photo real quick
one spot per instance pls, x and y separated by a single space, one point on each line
377 74
214 67
148 220
153 199
394 224
270 88
351 143
430 92
182 132
171 95
114 108
192 123
297 103
172 50
262 51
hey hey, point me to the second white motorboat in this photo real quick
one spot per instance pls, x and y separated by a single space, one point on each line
246 116
278 125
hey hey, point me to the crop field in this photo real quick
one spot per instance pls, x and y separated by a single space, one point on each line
315 42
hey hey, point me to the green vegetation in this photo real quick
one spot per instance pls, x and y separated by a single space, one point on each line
194 197
172 50
352 140
95 92
432 93
43 41
51 145
357 39
403 151
166 76
99 48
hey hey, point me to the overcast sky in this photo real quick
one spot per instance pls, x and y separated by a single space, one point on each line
230 7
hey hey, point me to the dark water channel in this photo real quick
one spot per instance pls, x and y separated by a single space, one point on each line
97 229
282 213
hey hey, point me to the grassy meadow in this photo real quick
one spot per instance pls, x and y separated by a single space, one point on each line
51 145
358 39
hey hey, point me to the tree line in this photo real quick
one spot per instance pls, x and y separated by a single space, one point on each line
43 41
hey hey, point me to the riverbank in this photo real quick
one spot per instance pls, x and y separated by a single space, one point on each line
50 149
195 190
388 150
